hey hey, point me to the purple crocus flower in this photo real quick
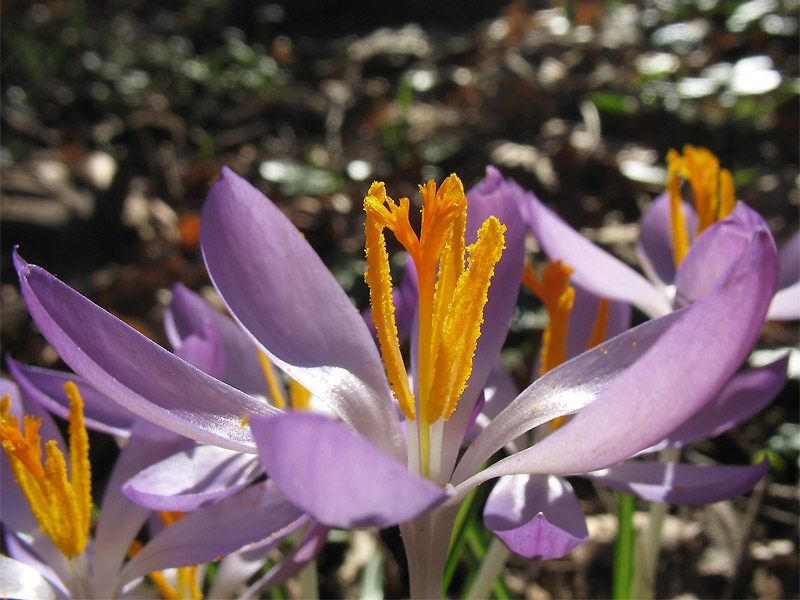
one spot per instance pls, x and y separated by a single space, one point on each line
195 477
362 471
538 516
707 253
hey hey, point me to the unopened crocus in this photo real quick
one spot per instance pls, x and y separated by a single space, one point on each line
361 470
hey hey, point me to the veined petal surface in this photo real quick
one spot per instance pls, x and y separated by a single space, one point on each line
677 483
536 516
191 479
187 313
691 361
593 268
338 477
714 251
46 387
134 371
256 515
278 289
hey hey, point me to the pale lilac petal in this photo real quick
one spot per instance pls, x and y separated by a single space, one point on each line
714 251
536 516
20 551
188 312
494 196
594 268
259 514
46 387
786 304
18 580
742 397
655 238
337 476
192 479
203 349
563 390
682 371
677 483
279 290
306 551
583 316
498 393
789 257
121 519
134 371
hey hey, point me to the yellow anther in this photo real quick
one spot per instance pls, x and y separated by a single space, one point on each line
557 295
712 193
61 505
274 386
452 296
379 280
299 397
600 327
461 327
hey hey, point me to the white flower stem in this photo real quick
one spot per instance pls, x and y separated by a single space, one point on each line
426 540
309 585
644 570
491 567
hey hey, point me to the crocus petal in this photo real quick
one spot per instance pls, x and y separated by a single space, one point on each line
293 563
494 196
786 304
536 516
259 514
654 245
677 483
279 290
20 551
18 580
691 361
191 479
188 312
203 349
594 268
337 476
742 397
120 519
582 319
567 388
134 371
46 387
712 253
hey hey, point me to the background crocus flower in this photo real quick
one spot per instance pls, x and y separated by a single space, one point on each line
540 517
196 477
673 283
356 473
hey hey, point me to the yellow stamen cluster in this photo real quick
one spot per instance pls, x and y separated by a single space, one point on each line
452 292
299 397
558 296
61 505
712 192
